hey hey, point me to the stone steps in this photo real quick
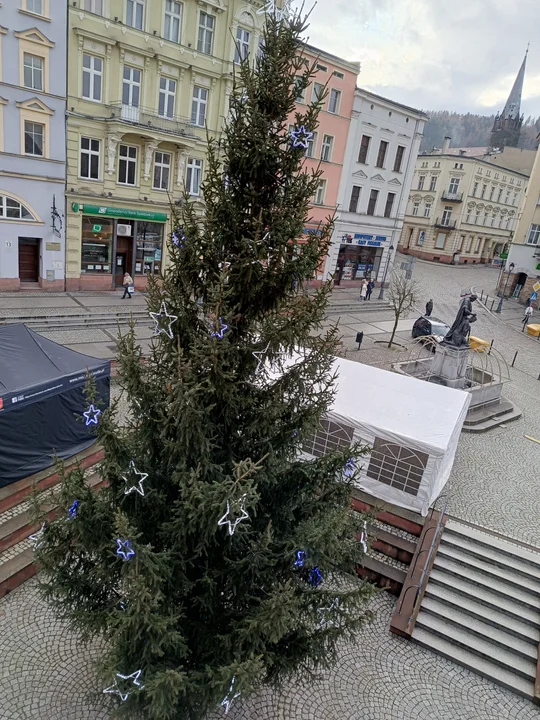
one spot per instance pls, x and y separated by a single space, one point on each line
491 416
481 607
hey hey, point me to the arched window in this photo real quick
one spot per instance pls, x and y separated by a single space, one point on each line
11 209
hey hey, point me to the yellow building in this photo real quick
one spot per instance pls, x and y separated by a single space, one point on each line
146 79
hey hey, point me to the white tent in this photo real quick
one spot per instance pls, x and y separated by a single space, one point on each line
411 426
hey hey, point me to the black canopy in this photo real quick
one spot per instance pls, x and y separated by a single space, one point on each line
42 401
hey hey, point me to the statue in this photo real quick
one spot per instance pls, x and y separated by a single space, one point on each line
459 332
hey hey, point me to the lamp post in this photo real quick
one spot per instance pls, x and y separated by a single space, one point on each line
499 306
381 292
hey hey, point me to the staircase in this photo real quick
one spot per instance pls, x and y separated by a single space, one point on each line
481 607
79 318
16 550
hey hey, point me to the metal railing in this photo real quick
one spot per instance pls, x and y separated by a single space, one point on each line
150 118
443 223
420 584
454 197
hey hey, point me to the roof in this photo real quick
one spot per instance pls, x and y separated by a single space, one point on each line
512 108
28 359
413 111
352 65
477 159
468 152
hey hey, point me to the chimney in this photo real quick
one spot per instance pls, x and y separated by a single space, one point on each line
446 145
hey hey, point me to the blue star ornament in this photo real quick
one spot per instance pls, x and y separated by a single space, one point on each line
315 577
301 137
162 319
72 512
178 238
230 697
115 689
350 467
232 522
92 415
222 330
138 485
301 556
124 549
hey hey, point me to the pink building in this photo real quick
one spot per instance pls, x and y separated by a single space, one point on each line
328 145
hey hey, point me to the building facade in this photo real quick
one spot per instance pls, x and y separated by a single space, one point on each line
336 78
381 150
147 80
461 209
32 144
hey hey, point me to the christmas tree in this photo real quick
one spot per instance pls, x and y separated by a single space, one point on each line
216 557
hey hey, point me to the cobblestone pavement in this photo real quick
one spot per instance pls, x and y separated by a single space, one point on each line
46 675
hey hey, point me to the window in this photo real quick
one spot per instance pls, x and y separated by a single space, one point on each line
485 218
389 204
493 220
477 217
492 191
468 217
149 251
432 183
397 466
355 196
242 45
440 240
162 170
507 200
334 102
135 13
416 207
534 235
34 134
198 106
35 6
97 244
127 166
381 157
468 245
454 185
326 150
364 149
131 87
461 241
421 181
11 209
398 162
484 188
476 245
311 145
93 6
167 94
475 189
447 215
372 204
193 176
427 210
299 91
500 195
205 40
33 72
173 20
421 237
330 437
92 77
318 198
89 161
317 92
515 199
322 68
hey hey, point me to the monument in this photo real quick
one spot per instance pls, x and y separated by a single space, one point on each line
452 356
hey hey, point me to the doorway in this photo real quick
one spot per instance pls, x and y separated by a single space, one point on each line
29 260
123 260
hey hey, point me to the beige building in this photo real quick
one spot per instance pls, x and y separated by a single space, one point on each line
146 79
461 209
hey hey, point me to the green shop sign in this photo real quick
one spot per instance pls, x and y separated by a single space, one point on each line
115 212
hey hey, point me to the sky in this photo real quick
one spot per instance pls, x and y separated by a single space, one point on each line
460 55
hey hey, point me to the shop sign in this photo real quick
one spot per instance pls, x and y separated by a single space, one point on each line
53 246
119 212
364 240
96 228
311 231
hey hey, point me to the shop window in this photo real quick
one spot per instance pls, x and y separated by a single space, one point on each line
97 243
397 466
330 437
149 248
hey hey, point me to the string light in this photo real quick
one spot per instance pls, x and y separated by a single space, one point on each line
221 332
230 697
37 538
95 413
177 239
225 520
114 689
138 487
325 612
350 467
301 556
158 327
72 512
124 549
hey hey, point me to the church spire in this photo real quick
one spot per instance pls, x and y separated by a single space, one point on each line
507 125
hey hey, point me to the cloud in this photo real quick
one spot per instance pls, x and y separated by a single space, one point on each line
461 55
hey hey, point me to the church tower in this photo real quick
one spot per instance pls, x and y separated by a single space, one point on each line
507 125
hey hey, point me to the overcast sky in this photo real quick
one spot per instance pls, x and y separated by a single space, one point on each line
458 55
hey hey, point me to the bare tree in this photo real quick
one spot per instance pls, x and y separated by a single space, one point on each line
402 295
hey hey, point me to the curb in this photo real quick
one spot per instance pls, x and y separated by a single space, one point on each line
494 315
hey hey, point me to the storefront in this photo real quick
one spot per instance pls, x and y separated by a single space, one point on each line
359 257
119 240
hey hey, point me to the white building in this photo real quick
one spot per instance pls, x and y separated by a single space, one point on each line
383 143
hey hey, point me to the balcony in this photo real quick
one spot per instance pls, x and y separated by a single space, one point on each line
446 224
452 197
142 117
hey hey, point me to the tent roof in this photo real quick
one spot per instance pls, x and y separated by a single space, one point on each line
397 404
28 359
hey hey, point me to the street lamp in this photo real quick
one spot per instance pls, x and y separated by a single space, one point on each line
381 292
499 306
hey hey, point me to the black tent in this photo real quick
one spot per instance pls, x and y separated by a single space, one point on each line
42 401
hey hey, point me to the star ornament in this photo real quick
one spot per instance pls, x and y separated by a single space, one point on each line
327 613
315 577
124 549
230 520
72 512
222 330
350 467
301 137
230 697
178 238
37 538
301 556
138 486
115 689
162 319
92 415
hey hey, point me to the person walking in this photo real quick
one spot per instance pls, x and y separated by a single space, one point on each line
429 308
528 316
363 291
127 282
370 287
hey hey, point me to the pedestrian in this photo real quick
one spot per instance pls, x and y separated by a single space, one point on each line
127 282
363 291
528 316
370 287
429 308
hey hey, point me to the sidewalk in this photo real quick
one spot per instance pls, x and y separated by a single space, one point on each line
512 312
